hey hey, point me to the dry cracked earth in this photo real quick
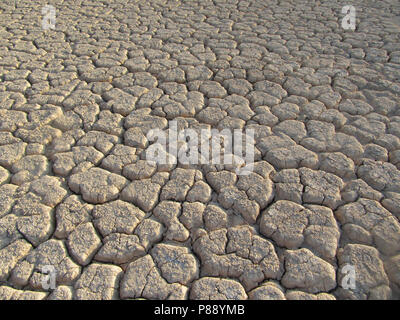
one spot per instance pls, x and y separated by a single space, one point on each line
76 192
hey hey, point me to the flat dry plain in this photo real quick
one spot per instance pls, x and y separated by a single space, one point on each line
318 218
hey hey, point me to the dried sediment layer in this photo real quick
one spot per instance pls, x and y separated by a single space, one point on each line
76 193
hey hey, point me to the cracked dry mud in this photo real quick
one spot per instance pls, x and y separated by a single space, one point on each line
77 102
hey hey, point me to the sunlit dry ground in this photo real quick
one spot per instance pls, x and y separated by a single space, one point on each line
77 195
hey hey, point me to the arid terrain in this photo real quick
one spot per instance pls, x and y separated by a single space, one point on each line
84 214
